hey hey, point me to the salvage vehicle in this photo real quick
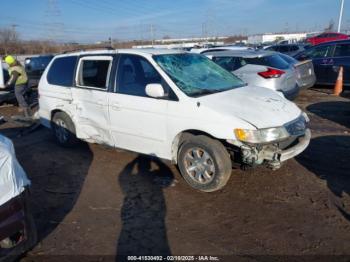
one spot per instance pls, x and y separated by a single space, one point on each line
17 227
261 68
327 58
173 105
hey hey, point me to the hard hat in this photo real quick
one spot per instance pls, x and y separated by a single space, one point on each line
10 60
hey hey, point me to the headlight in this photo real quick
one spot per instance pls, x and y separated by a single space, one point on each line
261 135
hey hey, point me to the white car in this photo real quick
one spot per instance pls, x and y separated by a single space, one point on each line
173 105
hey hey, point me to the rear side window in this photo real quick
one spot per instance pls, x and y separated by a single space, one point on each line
272 61
94 72
342 50
229 63
61 71
293 48
284 49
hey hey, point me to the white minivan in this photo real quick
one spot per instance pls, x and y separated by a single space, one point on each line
173 105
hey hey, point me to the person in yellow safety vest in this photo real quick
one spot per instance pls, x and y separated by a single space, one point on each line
18 78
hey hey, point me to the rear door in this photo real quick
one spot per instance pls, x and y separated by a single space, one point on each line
90 96
320 56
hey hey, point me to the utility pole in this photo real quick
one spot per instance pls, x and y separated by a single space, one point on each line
152 34
340 15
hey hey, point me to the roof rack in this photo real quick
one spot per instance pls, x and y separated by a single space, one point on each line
88 49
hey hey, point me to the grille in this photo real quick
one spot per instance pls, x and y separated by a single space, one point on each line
296 127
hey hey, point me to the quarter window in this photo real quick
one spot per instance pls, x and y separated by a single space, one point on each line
94 72
61 71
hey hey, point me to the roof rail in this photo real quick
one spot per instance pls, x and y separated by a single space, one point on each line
88 49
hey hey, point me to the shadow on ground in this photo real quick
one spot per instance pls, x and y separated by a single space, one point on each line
336 111
55 191
144 209
328 157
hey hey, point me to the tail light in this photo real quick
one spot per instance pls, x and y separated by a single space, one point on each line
271 73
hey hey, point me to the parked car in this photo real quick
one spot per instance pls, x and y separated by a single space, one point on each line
306 76
173 105
35 67
327 58
260 68
17 228
326 37
288 49
221 48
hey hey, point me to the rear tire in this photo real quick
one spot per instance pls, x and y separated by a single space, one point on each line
64 130
204 163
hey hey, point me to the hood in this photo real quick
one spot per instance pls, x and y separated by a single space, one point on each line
258 106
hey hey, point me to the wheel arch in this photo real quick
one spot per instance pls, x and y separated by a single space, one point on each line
179 138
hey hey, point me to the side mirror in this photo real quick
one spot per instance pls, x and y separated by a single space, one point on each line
155 90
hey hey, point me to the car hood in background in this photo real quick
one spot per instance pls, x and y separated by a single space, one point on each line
258 106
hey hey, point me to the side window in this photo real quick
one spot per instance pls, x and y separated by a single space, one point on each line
61 71
284 48
318 52
342 50
229 63
293 48
134 74
94 72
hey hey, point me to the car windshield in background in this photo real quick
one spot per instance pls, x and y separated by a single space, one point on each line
197 75
271 60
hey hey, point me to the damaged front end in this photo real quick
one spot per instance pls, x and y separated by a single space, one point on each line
296 138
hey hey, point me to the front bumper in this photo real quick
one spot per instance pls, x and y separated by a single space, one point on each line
274 154
17 228
302 144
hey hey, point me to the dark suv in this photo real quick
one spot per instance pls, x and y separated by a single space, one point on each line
327 59
35 67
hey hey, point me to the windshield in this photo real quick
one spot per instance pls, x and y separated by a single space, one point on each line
196 75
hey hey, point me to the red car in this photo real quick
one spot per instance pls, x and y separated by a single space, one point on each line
326 37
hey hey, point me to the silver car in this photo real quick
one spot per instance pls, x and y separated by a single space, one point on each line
262 68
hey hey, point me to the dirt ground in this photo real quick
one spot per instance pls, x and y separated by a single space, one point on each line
91 203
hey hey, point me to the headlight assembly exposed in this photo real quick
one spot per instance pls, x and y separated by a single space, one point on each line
261 135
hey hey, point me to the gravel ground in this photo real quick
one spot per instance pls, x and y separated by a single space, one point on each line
91 203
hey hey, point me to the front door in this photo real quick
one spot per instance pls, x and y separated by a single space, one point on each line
320 59
90 96
138 122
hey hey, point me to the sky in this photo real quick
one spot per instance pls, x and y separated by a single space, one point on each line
96 20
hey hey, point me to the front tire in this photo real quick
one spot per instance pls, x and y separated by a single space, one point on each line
204 163
64 130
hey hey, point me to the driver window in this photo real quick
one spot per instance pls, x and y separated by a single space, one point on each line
318 52
134 74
